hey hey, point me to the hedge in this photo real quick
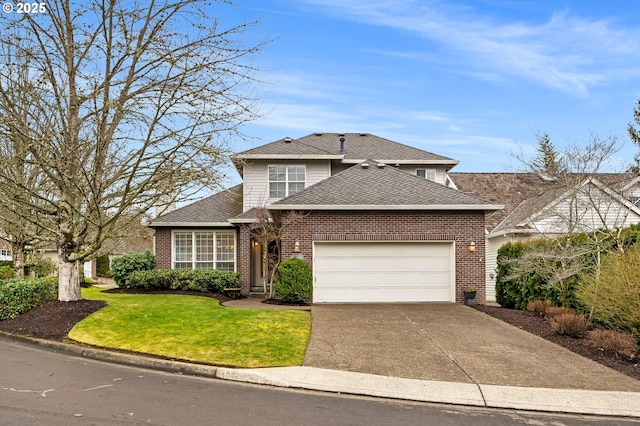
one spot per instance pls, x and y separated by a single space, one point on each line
122 267
519 291
17 296
205 280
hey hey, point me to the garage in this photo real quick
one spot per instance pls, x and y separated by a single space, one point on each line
383 272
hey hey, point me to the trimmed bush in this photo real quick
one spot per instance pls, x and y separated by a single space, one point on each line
204 280
615 297
122 267
615 342
294 283
17 296
6 271
569 324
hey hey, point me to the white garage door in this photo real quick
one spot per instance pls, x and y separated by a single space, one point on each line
383 272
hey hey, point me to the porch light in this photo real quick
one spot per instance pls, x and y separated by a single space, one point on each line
296 247
472 246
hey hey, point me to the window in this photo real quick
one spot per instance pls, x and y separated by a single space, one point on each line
285 180
429 174
635 200
204 250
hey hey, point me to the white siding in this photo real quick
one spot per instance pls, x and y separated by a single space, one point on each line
493 244
591 209
256 179
440 170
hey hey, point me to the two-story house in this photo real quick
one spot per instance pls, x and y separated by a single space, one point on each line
381 222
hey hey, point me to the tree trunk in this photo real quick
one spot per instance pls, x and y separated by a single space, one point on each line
68 280
18 262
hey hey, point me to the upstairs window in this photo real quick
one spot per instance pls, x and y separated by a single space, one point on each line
286 180
429 174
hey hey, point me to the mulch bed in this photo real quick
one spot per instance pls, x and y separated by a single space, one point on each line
54 320
539 326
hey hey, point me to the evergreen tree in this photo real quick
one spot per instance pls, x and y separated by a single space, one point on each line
548 160
634 134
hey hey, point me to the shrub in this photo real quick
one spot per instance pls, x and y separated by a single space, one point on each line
44 268
6 263
204 280
554 311
6 271
542 269
615 342
102 266
294 282
121 267
569 324
539 307
17 296
615 297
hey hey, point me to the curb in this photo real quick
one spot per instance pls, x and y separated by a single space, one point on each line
572 401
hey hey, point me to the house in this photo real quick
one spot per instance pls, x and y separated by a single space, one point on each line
5 251
538 206
382 222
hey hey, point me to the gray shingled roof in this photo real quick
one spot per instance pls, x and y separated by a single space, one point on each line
358 147
212 210
523 194
374 187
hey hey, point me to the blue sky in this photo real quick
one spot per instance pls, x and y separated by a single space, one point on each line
470 80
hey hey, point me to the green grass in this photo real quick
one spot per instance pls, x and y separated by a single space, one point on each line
196 329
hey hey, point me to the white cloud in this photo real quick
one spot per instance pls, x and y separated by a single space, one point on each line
566 53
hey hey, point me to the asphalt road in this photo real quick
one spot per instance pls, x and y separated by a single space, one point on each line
39 386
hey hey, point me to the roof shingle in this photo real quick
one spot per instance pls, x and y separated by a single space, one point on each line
215 209
358 147
380 187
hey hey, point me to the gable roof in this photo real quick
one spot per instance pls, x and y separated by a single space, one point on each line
210 211
373 186
526 195
358 147
509 189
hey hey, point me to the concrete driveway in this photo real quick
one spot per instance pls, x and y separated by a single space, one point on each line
447 342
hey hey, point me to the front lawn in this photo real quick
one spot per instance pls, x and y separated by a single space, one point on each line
196 329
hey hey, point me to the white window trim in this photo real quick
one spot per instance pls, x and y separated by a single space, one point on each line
286 179
193 246
427 172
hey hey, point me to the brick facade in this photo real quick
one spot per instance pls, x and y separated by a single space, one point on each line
163 248
459 227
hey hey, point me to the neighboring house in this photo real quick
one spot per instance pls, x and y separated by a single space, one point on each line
538 206
5 251
380 222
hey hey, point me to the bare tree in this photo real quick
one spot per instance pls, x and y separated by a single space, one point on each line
268 231
16 209
578 203
136 101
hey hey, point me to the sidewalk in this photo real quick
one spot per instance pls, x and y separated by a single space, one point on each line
472 392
